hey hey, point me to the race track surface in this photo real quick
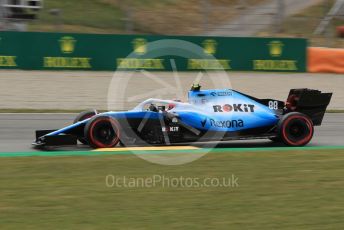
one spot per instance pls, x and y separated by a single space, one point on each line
17 131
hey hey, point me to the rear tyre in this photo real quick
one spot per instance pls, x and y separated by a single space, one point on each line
83 116
295 129
102 132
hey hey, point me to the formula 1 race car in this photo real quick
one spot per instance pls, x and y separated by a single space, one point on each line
209 115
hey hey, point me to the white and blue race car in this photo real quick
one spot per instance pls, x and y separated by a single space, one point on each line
209 115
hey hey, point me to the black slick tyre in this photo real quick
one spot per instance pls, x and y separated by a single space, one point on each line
295 129
102 132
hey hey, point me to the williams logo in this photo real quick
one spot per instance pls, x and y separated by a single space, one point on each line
227 124
209 46
276 48
67 44
140 46
235 107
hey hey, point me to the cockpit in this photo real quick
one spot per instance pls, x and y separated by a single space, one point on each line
157 105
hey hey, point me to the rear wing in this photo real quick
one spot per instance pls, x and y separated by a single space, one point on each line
310 102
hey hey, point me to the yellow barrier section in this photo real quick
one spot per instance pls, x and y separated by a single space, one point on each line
325 60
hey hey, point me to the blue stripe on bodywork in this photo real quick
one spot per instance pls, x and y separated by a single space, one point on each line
118 115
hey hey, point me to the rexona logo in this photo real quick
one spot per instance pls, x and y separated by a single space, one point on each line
245 108
203 122
227 123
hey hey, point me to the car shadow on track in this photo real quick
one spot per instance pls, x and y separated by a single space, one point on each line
241 144
227 144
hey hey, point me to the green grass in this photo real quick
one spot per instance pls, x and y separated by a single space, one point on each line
88 16
277 190
80 16
304 24
147 16
335 111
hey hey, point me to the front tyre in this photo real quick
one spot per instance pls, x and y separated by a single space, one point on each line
295 129
102 132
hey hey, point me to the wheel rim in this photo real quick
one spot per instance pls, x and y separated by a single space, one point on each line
104 133
298 130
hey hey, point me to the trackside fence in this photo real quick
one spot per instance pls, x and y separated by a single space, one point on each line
71 51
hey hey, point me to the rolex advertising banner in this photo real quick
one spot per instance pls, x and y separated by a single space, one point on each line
60 51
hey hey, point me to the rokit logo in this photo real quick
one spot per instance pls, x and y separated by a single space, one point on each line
170 129
246 108
227 123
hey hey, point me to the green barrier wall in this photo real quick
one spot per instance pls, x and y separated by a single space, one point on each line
62 51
